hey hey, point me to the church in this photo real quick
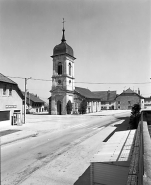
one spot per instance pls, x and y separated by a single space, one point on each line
63 83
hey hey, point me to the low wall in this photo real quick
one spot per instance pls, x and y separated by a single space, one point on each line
147 155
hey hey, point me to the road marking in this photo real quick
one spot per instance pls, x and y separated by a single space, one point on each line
79 125
98 128
118 122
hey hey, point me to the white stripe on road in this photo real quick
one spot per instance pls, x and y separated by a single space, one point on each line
118 122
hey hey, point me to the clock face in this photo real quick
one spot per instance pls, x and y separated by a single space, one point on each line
59 81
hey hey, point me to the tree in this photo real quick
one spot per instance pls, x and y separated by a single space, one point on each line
135 116
83 106
69 107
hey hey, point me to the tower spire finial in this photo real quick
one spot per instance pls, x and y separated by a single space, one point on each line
63 35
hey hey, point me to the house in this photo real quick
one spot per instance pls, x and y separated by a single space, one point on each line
34 103
107 99
11 101
93 101
147 102
128 98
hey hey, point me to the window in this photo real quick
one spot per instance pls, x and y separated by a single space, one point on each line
4 90
118 102
69 68
10 92
59 68
129 102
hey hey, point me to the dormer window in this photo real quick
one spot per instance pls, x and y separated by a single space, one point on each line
70 69
59 68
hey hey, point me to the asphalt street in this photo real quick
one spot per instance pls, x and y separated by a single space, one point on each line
20 159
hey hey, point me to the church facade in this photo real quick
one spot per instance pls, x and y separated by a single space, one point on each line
63 86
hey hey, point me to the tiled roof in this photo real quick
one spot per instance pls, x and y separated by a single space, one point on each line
6 79
106 95
86 93
130 92
148 98
33 98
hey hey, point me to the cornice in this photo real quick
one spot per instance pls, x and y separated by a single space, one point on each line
60 76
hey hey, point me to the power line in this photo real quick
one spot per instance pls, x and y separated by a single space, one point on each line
95 83
110 83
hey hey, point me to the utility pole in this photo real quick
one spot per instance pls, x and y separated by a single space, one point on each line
25 99
29 101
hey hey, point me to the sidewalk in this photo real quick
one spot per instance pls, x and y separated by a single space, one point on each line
17 135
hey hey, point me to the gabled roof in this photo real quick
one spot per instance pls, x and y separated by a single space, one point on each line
106 95
86 93
6 79
129 92
9 81
33 98
148 98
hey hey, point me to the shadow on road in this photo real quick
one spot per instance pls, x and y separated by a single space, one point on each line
123 126
84 179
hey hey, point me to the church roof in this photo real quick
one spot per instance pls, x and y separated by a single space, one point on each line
63 47
86 93
106 95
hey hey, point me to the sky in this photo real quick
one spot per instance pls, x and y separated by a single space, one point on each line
111 40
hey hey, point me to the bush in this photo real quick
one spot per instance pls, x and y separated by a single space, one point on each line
135 116
83 107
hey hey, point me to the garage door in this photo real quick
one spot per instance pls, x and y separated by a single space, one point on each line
5 118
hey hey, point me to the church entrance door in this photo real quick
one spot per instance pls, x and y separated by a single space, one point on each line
59 107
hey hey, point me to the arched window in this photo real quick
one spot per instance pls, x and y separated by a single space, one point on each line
59 68
69 68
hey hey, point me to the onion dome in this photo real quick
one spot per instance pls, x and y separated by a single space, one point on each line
63 47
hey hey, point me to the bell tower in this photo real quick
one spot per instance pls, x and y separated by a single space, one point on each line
63 76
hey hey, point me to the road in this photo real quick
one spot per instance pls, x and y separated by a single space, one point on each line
20 159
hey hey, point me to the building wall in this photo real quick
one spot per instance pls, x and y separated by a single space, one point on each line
108 105
36 109
147 103
62 92
92 104
10 103
67 81
63 97
126 102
